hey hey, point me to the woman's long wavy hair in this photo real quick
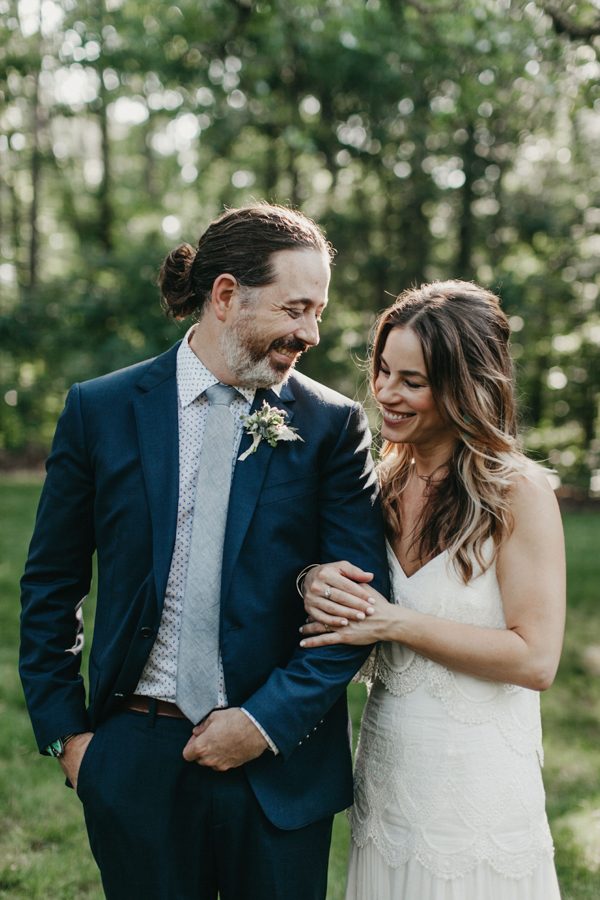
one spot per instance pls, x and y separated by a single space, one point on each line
464 336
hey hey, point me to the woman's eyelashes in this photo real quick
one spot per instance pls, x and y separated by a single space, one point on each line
410 384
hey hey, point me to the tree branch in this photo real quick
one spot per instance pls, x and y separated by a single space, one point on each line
426 10
563 24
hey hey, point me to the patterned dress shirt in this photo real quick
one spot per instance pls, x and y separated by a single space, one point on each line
159 678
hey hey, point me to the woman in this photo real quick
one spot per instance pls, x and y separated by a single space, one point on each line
449 798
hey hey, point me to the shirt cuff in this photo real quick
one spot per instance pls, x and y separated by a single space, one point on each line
272 746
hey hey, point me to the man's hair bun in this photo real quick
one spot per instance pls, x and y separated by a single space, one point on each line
175 282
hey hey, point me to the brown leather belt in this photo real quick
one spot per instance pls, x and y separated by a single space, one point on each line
139 703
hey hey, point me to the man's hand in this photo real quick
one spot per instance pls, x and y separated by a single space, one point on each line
74 753
226 739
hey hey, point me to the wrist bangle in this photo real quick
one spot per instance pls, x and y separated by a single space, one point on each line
302 575
57 747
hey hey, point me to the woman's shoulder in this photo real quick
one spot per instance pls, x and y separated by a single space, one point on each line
531 496
529 481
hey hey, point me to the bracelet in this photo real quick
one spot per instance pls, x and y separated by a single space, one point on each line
57 747
302 575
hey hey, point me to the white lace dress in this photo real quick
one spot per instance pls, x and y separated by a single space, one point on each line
449 800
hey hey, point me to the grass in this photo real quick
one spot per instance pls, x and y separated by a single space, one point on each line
43 847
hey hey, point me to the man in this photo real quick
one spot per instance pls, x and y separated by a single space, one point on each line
214 751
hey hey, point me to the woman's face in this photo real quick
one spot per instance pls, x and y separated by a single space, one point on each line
402 390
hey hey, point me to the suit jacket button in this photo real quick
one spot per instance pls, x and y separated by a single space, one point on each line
146 632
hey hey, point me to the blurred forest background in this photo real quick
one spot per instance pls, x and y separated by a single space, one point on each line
430 138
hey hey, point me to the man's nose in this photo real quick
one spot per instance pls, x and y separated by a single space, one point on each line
309 332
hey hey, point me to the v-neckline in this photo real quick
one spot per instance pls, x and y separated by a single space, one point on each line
420 569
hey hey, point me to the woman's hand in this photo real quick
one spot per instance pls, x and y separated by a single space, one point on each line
334 595
531 575
375 626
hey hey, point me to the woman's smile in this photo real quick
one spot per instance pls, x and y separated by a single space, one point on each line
395 418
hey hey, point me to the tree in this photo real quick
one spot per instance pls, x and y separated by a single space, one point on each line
431 138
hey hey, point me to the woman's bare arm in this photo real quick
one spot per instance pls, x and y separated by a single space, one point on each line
531 574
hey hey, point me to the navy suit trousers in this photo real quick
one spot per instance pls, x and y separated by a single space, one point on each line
162 828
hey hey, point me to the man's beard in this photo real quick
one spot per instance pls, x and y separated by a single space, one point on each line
248 359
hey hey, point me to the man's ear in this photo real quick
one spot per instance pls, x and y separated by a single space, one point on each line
222 294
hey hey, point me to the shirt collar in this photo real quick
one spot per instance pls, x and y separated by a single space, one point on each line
193 378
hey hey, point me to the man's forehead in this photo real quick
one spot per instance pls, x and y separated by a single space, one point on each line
298 257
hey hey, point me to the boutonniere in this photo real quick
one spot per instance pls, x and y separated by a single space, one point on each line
267 424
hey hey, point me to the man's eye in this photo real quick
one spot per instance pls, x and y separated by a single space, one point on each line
292 313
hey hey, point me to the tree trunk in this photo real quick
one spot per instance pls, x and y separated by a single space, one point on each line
464 259
105 220
35 188
271 166
15 220
105 207
150 182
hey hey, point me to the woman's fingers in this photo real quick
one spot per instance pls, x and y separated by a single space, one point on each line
336 601
339 582
343 576
354 573
312 628
329 614
323 630
329 621
349 635
326 611
333 598
322 640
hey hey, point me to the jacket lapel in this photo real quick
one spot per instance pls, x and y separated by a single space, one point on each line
248 479
158 434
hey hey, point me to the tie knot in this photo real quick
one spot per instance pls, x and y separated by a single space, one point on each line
220 394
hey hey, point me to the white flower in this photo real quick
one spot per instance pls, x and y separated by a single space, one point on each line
268 424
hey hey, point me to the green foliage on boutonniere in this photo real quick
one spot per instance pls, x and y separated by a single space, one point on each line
267 424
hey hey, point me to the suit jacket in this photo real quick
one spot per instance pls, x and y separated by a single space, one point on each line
112 487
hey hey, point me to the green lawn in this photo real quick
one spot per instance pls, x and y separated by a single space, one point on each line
43 848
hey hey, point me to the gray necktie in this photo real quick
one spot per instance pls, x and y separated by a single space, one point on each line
198 663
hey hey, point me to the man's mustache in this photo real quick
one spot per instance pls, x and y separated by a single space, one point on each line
291 345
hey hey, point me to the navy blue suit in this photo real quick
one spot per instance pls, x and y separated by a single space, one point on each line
112 488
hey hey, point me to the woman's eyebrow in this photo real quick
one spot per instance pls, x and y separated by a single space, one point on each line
402 371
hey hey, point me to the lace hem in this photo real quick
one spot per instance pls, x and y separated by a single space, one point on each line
425 788
509 865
